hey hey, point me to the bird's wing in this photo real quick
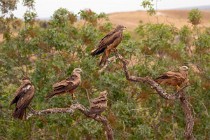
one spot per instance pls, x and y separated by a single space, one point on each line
70 81
106 41
25 100
98 105
167 75
171 77
62 83
68 84
74 80
99 102
108 35
20 92
175 75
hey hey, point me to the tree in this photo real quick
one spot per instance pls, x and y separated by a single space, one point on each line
194 17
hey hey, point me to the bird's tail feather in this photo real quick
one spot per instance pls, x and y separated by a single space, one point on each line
97 51
50 95
19 113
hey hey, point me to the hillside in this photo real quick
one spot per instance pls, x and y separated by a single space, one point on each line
177 18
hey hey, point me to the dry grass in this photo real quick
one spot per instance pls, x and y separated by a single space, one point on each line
178 18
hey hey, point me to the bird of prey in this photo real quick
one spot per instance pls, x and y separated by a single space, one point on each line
99 104
23 97
109 43
174 78
67 85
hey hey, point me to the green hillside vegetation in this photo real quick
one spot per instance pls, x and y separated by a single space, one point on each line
48 51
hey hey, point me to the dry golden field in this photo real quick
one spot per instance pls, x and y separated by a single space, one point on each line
178 18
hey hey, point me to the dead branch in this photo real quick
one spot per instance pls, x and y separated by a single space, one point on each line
71 110
110 60
189 120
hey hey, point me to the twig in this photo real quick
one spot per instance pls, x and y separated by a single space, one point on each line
88 95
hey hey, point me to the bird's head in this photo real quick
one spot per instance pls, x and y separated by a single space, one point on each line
183 68
120 27
25 79
77 70
103 93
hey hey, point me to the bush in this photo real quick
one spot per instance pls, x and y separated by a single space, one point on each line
195 17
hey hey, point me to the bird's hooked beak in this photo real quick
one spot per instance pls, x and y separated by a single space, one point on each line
24 79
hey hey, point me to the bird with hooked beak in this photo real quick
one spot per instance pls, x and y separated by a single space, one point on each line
22 99
109 43
68 85
174 78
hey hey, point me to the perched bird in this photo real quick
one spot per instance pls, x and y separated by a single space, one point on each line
23 97
99 104
174 78
67 85
109 43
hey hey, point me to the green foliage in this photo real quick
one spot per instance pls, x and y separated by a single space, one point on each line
29 3
203 42
7 5
29 17
62 17
185 34
147 4
156 38
195 16
91 17
88 34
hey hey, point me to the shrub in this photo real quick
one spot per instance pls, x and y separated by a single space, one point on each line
195 17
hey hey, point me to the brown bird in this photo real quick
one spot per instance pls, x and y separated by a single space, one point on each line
99 104
174 78
109 43
67 85
23 97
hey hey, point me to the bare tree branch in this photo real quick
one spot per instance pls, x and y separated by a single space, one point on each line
189 120
110 60
71 110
